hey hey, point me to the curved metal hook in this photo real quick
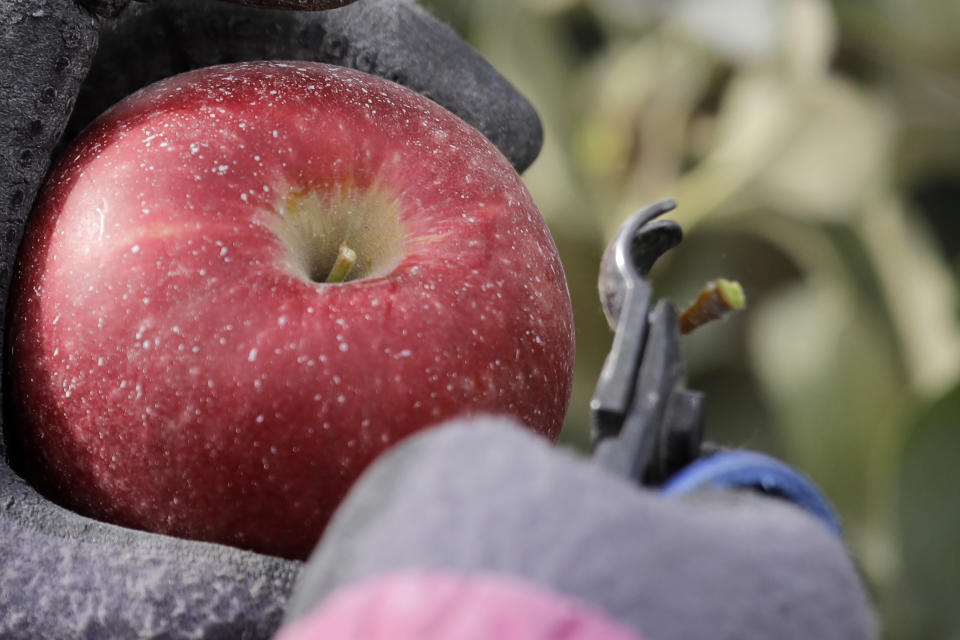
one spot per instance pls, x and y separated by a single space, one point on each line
631 254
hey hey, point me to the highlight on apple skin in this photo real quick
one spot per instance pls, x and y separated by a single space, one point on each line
177 360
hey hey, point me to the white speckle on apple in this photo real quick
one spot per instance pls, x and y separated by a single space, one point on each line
252 356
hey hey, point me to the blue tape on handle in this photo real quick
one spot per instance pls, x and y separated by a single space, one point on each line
749 470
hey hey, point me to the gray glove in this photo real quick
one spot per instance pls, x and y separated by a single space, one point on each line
480 498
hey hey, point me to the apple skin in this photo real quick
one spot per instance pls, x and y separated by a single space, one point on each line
172 365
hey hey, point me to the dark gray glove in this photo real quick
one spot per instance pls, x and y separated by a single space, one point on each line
63 576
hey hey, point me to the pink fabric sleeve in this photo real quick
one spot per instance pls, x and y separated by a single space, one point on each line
433 605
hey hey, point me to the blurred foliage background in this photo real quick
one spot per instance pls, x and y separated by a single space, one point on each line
814 149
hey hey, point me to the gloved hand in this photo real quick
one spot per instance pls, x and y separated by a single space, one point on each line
478 529
63 576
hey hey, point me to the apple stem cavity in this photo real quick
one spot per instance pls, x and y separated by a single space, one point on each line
716 300
346 258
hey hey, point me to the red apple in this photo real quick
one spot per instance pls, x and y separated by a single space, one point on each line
177 362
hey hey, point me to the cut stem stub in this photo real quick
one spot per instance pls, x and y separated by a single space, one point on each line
346 258
717 299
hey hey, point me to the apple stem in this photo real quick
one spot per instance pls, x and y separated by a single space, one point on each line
346 258
716 300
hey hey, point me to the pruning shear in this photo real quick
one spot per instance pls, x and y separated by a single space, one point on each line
647 426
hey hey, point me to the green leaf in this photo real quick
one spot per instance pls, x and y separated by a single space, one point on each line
929 515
